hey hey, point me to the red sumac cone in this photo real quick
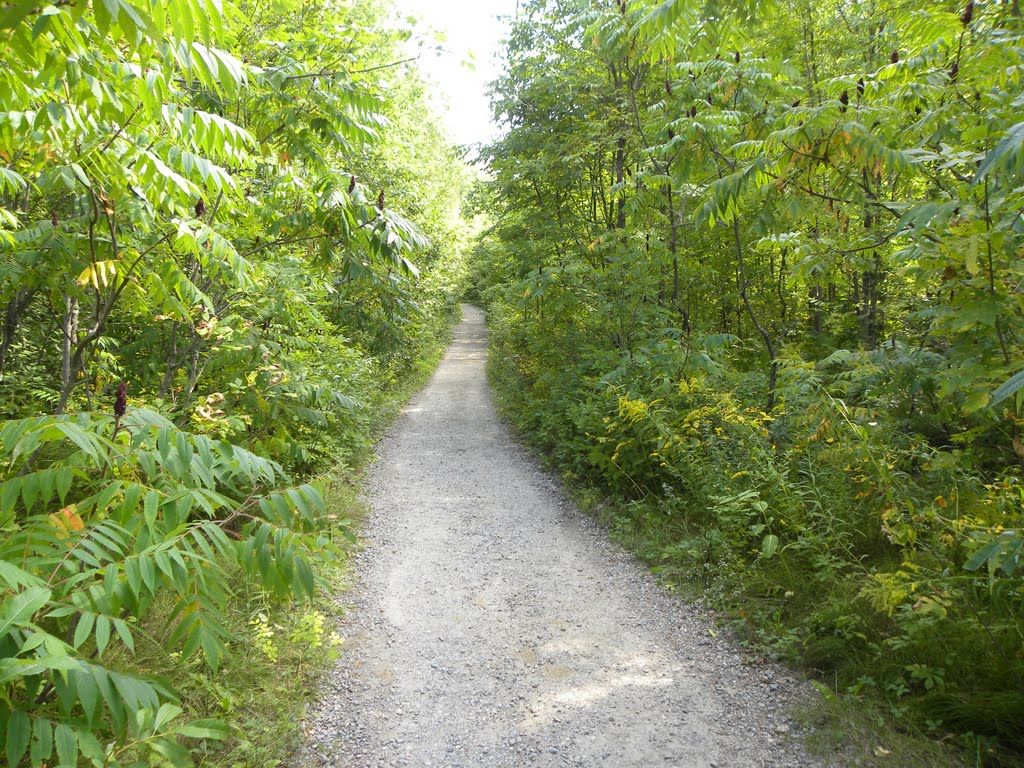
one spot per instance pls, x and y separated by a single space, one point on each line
121 400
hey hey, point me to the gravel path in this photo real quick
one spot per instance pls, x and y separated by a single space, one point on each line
495 625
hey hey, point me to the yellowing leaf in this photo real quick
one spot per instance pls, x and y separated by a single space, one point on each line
67 520
975 401
972 255
99 274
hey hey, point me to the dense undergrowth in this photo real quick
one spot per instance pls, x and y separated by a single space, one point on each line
229 245
754 288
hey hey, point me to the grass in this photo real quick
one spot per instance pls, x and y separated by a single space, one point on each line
268 686
274 666
851 731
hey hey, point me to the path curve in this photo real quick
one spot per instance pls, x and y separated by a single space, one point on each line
495 625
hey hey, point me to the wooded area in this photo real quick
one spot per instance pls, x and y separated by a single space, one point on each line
754 279
228 237
755 274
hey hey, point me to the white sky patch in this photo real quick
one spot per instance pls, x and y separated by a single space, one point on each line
474 30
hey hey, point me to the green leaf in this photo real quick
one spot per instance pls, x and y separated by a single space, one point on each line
125 633
80 175
204 729
19 733
173 754
92 750
102 634
769 545
15 577
42 741
304 575
164 715
1007 389
1001 553
1008 149
67 745
106 13
88 693
84 629
19 610
827 693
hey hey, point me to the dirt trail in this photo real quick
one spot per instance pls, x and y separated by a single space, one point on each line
495 625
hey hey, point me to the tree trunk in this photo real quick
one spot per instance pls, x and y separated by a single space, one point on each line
765 336
70 353
12 319
620 170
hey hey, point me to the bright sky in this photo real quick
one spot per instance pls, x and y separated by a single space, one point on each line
474 30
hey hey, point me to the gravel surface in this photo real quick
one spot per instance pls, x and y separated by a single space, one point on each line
495 625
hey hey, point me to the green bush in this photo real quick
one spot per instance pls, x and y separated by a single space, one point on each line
148 518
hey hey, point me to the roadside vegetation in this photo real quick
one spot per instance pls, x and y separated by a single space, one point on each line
230 245
754 287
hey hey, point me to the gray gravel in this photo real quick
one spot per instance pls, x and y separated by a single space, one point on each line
495 625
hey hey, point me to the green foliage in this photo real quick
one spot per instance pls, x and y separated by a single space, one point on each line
242 188
754 275
228 241
147 513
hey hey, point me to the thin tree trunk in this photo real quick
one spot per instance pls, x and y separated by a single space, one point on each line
814 302
620 177
765 336
69 331
783 309
12 319
810 58
173 363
